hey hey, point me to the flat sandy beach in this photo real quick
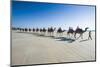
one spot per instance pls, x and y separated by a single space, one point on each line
30 48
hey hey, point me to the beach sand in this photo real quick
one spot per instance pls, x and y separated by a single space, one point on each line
30 48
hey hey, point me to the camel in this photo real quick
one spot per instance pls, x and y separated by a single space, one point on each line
13 28
51 31
20 29
70 31
23 29
26 29
44 30
80 31
29 30
37 29
48 30
41 30
60 31
33 29
17 28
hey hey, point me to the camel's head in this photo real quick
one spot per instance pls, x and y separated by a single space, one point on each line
87 28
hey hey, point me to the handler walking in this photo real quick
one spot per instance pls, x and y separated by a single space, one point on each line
89 37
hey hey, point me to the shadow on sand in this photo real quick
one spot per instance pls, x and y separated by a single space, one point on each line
42 35
69 40
83 40
24 32
37 34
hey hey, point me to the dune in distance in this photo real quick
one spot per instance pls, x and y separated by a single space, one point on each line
33 48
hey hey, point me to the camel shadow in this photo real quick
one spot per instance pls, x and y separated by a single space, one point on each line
25 32
20 32
42 35
83 40
69 40
37 34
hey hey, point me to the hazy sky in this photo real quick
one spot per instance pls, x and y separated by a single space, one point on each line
35 14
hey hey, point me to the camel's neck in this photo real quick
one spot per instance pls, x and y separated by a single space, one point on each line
85 30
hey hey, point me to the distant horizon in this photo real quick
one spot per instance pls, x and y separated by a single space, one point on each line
35 14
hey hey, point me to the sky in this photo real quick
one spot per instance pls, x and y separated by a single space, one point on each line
38 14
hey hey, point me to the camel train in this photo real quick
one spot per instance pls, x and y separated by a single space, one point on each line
50 31
77 31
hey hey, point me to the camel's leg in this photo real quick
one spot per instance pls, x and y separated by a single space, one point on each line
68 35
58 34
48 33
81 35
61 34
43 33
75 35
72 35
51 33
